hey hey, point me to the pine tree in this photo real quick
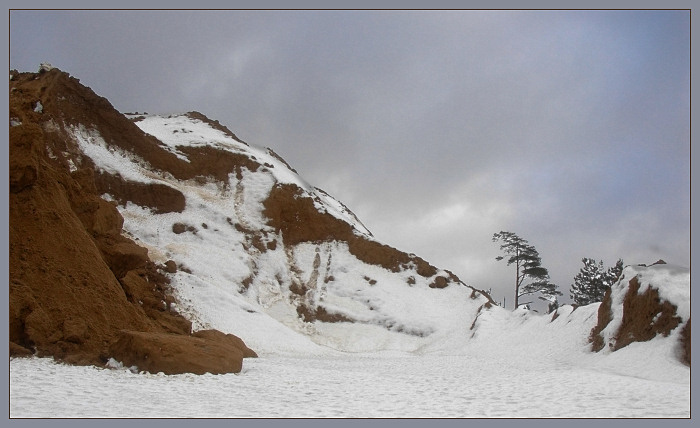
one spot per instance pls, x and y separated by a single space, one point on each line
613 273
592 281
528 265
589 283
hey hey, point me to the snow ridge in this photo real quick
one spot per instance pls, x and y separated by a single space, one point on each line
236 274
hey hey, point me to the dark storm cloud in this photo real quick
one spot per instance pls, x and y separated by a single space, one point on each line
570 128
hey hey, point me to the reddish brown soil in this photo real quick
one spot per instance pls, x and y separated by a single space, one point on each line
75 282
685 343
159 197
68 102
644 317
66 239
320 313
604 318
214 124
210 162
297 219
206 351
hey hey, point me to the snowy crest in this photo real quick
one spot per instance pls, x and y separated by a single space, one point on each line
280 288
646 303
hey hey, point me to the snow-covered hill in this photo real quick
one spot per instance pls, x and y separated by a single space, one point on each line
243 269
646 303
225 235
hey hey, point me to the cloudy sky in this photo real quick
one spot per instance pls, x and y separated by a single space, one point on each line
438 129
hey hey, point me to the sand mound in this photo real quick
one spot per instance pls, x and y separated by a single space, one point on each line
645 303
76 284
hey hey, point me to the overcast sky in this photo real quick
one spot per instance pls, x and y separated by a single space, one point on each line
438 129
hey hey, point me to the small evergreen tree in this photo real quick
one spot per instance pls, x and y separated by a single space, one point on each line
589 283
528 265
613 273
592 281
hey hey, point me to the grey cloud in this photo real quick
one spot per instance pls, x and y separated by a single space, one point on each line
438 129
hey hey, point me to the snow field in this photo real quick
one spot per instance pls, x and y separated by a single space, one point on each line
516 365
383 385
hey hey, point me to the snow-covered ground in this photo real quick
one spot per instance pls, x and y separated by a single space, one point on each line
351 386
516 367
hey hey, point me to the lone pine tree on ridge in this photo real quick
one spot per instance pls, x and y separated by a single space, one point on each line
528 265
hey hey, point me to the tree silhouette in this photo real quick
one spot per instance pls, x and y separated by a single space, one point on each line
592 281
528 266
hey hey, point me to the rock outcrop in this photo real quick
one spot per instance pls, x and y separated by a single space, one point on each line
76 282
134 229
206 351
646 302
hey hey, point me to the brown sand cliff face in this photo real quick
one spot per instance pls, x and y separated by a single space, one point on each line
83 292
644 317
77 286
296 218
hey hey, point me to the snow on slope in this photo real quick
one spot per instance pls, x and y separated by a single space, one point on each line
236 274
185 131
673 286
671 281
